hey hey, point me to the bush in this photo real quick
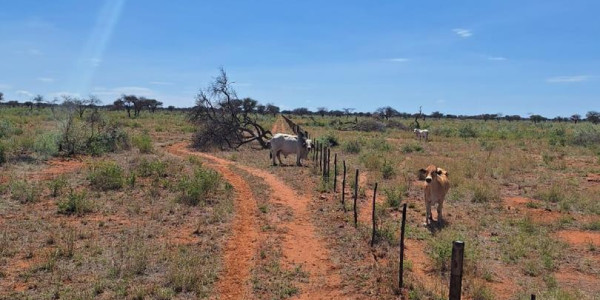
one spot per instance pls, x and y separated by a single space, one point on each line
371 161
23 192
148 168
352 146
387 170
46 145
395 195
369 125
106 176
143 142
467 131
56 185
484 194
409 148
197 188
111 140
329 139
76 203
586 135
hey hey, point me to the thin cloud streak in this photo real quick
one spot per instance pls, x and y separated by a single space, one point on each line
566 79
463 33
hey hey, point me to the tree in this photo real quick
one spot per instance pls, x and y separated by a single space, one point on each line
249 105
536 118
272 109
301 111
153 104
1 97
322 111
387 112
29 104
171 108
261 109
593 116
437 115
220 121
12 103
39 99
576 118
348 111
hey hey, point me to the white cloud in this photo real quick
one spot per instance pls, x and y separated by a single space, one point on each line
24 93
496 58
463 33
161 83
34 52
46 79
398 59
564 79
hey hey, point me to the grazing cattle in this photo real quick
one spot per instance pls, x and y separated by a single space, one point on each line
286 144
422 134
436 188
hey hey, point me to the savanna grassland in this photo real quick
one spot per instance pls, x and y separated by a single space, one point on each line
110 207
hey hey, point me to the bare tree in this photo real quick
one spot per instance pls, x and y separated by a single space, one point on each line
593 116
348 111
39 99
322 111
272 109
576 118
222 120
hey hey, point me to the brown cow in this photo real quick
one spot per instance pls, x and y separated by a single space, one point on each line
436 188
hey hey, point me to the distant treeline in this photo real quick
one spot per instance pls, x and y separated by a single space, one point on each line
136 104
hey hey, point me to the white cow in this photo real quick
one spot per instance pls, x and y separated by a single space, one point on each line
286 144
422 134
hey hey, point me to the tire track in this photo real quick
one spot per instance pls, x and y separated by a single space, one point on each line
240 248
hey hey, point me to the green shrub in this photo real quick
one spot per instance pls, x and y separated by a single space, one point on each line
197 188
46 145
143 142
353 146
409 148
148 168
56 185
467 131
372 161
106 176
369 125
328 139
395 195
586 135
23 192
75 203
484 194
387 170
111 139
553 195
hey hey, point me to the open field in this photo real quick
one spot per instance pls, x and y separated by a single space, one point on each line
143 216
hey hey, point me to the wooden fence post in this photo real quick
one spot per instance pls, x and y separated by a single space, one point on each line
356 197
456 268
532 296
373 216
328 163
320 157
344 187
335 173
401 272
324 163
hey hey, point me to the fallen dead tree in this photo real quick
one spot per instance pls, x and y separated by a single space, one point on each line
223 121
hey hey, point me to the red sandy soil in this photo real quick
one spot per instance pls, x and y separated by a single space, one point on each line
233 282
301 245
57 167
280 126
579 238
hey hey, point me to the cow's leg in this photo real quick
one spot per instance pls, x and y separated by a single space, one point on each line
427 212
273 157
439 212
279 157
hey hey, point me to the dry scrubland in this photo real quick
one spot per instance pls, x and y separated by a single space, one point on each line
126 218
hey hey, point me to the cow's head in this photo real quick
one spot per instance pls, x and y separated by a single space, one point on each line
431 173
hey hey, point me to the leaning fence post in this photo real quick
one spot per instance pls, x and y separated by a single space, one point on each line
355 197
532 296
344 187
456 268
335 172
401 273
373 216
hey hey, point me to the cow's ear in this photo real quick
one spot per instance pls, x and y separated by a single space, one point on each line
422 173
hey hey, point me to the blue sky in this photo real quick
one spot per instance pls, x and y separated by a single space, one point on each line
459 57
